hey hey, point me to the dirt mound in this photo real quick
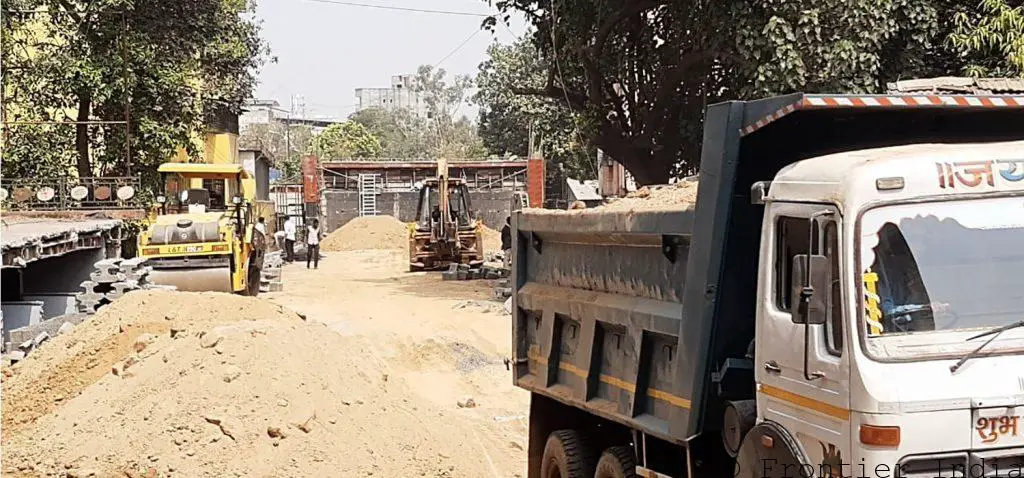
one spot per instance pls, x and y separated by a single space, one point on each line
492 240
178 384
368 232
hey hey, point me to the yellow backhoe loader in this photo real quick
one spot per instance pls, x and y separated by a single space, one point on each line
204 237
446 230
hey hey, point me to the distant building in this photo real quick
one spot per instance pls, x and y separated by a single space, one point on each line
402 94
270 111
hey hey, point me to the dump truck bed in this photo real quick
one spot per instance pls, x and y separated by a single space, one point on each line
594 287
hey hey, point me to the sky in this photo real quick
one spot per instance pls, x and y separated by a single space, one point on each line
326 50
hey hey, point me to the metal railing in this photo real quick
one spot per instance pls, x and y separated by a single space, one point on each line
56 194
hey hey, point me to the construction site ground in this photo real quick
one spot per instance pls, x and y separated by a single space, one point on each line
355 369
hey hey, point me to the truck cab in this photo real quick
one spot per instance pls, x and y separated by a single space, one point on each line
841 301
886 350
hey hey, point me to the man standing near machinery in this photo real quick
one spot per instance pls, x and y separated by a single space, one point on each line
313 235
289 240
506 241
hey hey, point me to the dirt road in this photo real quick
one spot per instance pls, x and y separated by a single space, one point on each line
369 384
441 341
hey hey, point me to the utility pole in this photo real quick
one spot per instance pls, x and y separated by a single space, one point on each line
288 130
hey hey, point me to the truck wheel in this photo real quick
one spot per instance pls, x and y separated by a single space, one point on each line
616 462
566 455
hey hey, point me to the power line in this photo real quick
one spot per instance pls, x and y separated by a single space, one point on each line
456 50
401 9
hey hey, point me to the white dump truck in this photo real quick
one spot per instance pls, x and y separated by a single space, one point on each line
844 299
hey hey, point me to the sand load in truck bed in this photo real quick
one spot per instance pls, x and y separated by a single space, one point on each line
666 197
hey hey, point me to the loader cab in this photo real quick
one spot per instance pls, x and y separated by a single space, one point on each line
429 207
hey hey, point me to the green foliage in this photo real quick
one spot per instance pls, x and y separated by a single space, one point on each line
348 140
993 38
641 73
401 133
172 62
442 133
285 146
507 119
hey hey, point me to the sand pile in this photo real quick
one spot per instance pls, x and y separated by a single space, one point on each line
492 240
201 384
368 232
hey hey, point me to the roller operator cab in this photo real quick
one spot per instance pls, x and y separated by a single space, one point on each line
883 333
203 238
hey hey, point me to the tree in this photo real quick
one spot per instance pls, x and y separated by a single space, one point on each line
171 64
348 140
285 146
507 119
448 136
440 133
993 37
642 72
402 134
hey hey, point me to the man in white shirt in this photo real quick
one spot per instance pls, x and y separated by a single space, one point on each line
261 225
289 240
313 244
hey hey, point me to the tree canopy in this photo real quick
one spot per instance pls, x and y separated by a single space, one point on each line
348 140
164 66
508 119
642 72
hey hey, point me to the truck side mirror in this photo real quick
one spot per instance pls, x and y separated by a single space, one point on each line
811 279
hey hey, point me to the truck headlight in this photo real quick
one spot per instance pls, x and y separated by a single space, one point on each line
236 199
161 199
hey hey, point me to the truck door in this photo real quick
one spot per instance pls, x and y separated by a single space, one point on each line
811 402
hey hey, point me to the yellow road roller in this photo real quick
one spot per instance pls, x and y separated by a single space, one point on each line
204 237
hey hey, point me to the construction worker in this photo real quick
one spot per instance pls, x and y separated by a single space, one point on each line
506 241
261 225
289 240
313 235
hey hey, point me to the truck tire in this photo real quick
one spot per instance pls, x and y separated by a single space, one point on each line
567 455
782 458
616 462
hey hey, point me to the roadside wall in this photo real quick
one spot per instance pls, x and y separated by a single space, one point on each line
343 206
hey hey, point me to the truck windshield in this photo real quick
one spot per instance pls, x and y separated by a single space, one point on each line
942 266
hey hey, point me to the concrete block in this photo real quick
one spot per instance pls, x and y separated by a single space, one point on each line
106 278
89 286
135 262
42 337
271 273
462 275
125 286
54 304
503 283
462 267
20 314
448 275
508 306
65 328
16 356
275 286
501 293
